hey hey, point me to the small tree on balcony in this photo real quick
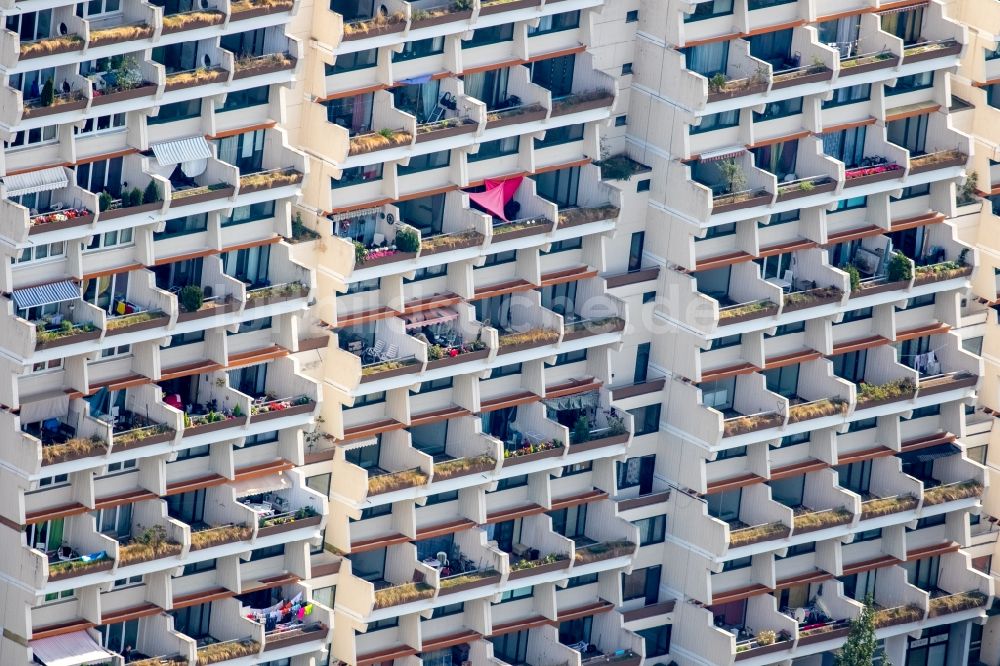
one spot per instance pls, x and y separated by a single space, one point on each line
151 194
48 93
861 647
900 267
733 176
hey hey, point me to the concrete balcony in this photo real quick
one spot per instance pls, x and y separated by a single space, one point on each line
753 409
404 584
231 635
59 334
764 631
609 643
288 506
396 466
73 207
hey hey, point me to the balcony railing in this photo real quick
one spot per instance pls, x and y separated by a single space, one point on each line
867 62
389 368
74 448
150 544
871 395
391 481
888 617
811 521
952 492
955 603
195 77
939 159
191 20
747 536
217 536
450 469
262 64
406 593
78 566
884 506
266 180
227 650
245 9
816 409
468 580
380 140
605 550
742 424
136 321
120 33
931 49
50 46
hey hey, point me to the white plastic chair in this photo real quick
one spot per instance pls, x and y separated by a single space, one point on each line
391 353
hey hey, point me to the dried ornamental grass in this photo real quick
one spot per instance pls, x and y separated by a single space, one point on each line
218 652
385 483
216 536
534 336
402 594
952 492
77 446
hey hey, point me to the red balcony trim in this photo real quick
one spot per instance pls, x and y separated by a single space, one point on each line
503 288
652 610
242 130
722 260
386 656
728 371
371 429
912 110
856 345
519 625
61 511
207 253
575 500
648 499
642 388
802 579
790 246
450 640
310 344
325 569
50 630
926 441
572 387
567 275
870 120
739 594
113 271
201 597
510 400
132 613
852 234
739 35
441 300
920 331
778 139
378 542
918 221
585 611
187 369
130 497
931 551
733 483
867 454
437 415
433 531
112 385
271 582
793 358
255 356
355 318
797 469
516 512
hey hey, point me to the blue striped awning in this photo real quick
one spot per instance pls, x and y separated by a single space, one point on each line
45 294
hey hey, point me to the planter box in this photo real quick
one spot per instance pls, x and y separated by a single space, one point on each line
469 242
508 6
117 213
276 298
411 369
69 339
585 105
896 621
814 77
643 500
288 527
531 457
869 66
122 95
461 358
739 92
158 438
215 75
258 11
192 430
80 221
445 132
633 277
229 305
884 401
441 20
540 569
209 195
247 72
294 410
482 582
295 636
755 200
799 193
141 326
768 311
248 189
600 443
510 349
474 469
764 649
824 636
70 456
375 31
926 278
951 385
576 334
68 47
783 534
873 178
820 300
98 41
534 230
103 565
949 50
217 19
879 288
174 552
381 261
514 119
845 520
38 111
958 160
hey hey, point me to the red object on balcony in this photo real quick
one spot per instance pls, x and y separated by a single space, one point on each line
497 194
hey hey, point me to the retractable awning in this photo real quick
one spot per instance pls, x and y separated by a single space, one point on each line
931 453
75 649
48 405
721 154
260 485
46 294
182 150
35 181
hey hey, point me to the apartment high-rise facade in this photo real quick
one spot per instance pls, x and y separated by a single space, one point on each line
445 332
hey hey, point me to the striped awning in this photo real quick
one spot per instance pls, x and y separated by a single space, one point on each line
722 153
191 149
73 649
35 181
45 294
354 214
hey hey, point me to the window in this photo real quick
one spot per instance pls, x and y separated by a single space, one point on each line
570 522
498 148
93 8
914 191
857 315
181 226
448 609
33 137
350 62
440 498
419 48
555 23
503 32
851 204
716 121
498 258
427 273
727 341
718 231
101 175
177 111
504 370
709 9
707 59
515 594
557 136
636 473
376 511
626 69
647 419
643 185
437 384
651 530
974 345
632 16
781 109
34 253
849 95
251 213
571 357
425 162
635 250
512 482
355 175
657 640
641 370
559 187
110 239
511 648
101 124
621 121
905 84
847 145
642 584
586 579
320 483
578 468
565 245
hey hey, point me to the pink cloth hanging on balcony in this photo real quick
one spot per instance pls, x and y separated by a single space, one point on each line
497 194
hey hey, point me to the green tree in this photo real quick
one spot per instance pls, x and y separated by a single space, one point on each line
861 647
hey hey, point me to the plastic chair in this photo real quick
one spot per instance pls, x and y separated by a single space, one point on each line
391 353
